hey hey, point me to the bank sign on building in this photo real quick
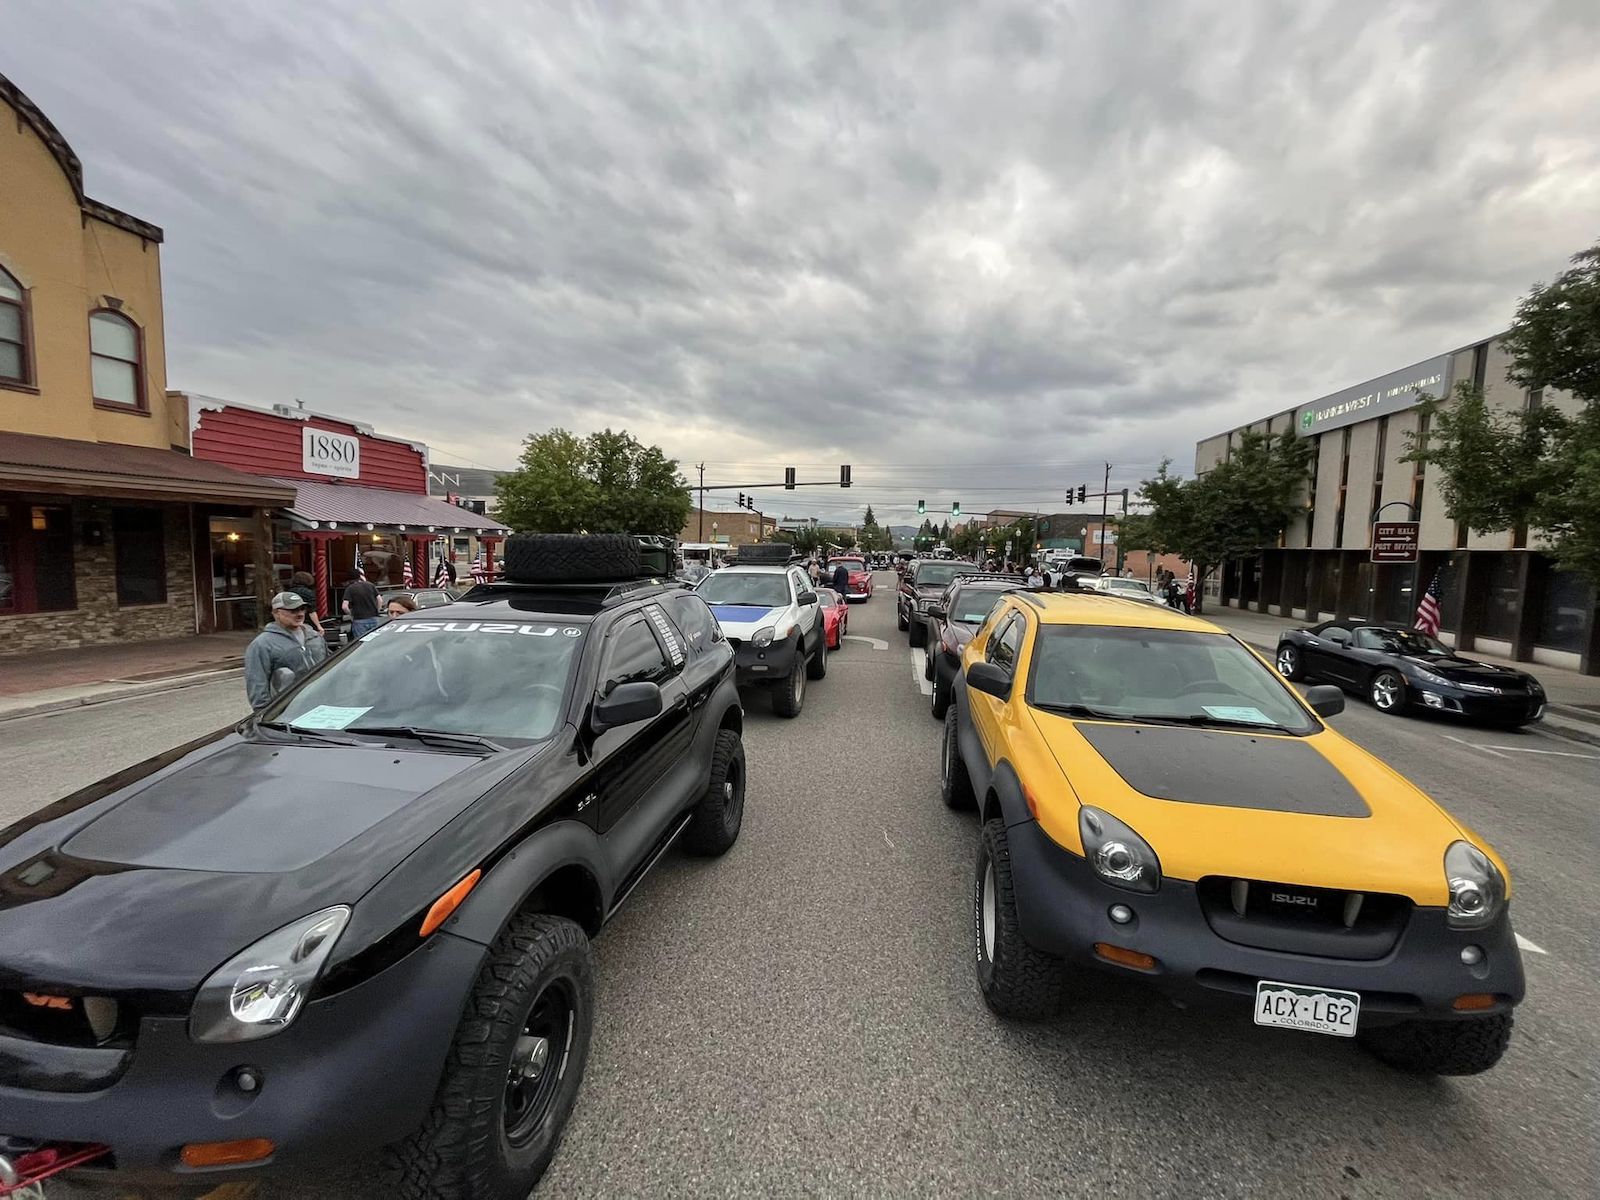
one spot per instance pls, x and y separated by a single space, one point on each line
1380 397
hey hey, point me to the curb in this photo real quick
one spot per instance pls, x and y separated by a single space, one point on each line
152 688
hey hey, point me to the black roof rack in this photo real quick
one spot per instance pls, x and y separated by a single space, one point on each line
603 592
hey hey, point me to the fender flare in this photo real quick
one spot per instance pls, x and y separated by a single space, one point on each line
532 861
1007 788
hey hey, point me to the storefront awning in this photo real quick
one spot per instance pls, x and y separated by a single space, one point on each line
62 466
348 506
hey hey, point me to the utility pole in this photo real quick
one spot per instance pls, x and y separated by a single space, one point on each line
702 468
1105 496
1120 528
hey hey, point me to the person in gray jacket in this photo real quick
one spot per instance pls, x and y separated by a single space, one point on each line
284 643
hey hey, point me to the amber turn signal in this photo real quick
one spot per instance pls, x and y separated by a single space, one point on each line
1473 1001
1126 958
448 903
224 1154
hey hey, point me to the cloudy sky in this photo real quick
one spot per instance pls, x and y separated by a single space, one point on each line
974 248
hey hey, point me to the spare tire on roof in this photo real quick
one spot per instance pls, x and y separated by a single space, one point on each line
570 557
766 553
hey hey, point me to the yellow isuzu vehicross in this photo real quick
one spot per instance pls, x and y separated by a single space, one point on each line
1155 801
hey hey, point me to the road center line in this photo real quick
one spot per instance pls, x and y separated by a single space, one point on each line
1527 750
1474 746
1524 944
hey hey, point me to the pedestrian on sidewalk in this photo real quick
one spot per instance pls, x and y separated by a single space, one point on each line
302 585
841 579
283 643
361 605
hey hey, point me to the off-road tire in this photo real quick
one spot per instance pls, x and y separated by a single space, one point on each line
785 702
765 553
939 701
900 621
1462 1046
714 821
1019 981
817 664
1290 663
927 662
955 785
461 1152
917 633
571 557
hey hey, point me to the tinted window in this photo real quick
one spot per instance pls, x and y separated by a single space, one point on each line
500 679
1006 642
634 656
972 606
931 574
694 619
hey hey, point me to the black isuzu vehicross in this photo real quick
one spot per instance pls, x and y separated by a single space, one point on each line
362 917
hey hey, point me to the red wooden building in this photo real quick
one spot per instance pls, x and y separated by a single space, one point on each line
360 496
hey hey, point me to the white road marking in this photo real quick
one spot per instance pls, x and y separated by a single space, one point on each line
877 643
1474 746
1527 750
891 846
919 663
1524 944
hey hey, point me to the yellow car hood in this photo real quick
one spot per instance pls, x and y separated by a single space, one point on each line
1252 805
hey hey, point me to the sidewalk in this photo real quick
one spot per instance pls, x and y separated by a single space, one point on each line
1574 699
55 679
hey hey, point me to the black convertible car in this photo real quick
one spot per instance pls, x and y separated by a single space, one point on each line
362 916
1397 668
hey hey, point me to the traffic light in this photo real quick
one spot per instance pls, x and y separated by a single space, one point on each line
844 475
788 478
1083 493
922 507
955 508
742 503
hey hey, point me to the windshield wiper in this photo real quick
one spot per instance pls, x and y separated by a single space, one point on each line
429 737
1206 719
1081 710
326 735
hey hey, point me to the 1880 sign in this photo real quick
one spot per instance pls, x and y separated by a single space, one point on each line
324 453
1394 542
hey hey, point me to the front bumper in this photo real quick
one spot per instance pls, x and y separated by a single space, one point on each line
1504 708
1063 907
354 1071
766 665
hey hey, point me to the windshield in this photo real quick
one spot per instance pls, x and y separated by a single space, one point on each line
1409 641
1160 673
972 606
827 597
936 574
745 587
505 680
1083 566
1125 585
849 564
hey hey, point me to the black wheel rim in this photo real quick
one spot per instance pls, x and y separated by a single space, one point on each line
538 1063
732 791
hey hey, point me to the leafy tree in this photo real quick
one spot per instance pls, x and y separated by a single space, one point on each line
869 519
605 483
1234 509
1534 467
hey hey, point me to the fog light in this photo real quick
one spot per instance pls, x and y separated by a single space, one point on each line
1124 957
1472 955
1121 914
247 1079
1432 701
223 1154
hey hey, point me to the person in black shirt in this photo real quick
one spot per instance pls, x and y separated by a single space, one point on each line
361 605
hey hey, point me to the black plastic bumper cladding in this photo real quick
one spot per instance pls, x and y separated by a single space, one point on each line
1198 766
354 1071
1063 907
778 659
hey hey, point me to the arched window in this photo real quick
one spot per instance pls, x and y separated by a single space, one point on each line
14 364
115 354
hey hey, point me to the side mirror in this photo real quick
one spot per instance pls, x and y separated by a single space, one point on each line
1325 700
989 679
937 611
627 704
807 597
1338 638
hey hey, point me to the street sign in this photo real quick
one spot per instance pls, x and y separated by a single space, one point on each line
1394 542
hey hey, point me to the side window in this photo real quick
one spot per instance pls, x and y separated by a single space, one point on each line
634 656
1335 633
694 619
1006 641
1369 639
799 582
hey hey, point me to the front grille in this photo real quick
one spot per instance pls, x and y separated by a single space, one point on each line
1326 922
60 1020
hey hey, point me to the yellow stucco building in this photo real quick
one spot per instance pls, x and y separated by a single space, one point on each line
103 513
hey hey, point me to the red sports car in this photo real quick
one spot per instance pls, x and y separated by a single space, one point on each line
860 587
835 616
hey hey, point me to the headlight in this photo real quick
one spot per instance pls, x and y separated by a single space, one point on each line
256 993
1477 890
1119 855
1428 676
763 637
924 605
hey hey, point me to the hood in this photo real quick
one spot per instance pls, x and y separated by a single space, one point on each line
1470 670
742 620
1317 811
149 880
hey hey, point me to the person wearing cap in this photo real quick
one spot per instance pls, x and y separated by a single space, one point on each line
284 643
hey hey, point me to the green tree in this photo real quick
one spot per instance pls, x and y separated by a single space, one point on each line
1534 467
1237 508
605 483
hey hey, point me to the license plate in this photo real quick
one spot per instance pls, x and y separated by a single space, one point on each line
1314 1009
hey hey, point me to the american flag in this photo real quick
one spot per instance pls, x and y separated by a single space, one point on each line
1188 591
441 577
479 574
1428 611
407 579
361 572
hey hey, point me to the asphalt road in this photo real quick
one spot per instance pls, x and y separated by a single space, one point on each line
800 1016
